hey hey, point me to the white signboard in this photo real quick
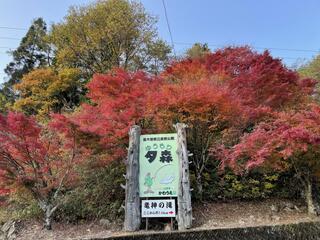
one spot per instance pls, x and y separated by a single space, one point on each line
158 208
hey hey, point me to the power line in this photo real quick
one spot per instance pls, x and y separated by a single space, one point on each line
12 28
271 48
168 24
10 38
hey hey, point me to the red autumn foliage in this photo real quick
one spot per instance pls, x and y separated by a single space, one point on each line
290 141
208 109
118 101
272 143
41 159
194 103
254 82
257 79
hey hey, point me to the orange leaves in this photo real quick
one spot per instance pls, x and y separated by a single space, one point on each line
194 103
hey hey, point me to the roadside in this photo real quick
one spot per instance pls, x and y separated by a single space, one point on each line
207 216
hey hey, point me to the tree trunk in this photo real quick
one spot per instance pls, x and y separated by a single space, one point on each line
310 198
48 210
47 218
199 185
184 217
132 201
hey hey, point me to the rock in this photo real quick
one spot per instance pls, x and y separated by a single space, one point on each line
241 222
6 227
289 205
8 231
105 223
287 209
214 224
274 208
11 233
167 227
275 218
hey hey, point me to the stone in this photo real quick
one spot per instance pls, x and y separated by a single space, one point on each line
274 208
167 227
6 227
11 232
289 205
241 222
287 209
296 208
8 231
275 218
105 223
214 224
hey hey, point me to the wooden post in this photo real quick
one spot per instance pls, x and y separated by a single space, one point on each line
184 216
132 202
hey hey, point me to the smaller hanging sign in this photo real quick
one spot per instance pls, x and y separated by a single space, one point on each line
158 208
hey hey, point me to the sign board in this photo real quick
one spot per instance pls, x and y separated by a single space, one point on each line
158 208
159 166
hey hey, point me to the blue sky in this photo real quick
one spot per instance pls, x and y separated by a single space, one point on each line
273 24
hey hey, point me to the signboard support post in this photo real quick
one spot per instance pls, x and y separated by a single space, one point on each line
171 221
184 217
147 220
132 201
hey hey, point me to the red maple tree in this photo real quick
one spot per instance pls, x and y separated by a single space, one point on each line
289 140
208 109
118 100
41 159
257 79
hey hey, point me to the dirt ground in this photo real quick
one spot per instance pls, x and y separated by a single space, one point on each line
207 215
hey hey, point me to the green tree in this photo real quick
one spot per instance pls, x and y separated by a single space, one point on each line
198 50
312 70
33 52
106 34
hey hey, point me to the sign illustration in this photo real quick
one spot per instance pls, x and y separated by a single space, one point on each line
159 168
158 208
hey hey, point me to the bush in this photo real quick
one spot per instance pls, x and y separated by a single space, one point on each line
253 185
99 195
19 205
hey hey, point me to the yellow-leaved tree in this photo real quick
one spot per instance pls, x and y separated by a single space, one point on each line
45 90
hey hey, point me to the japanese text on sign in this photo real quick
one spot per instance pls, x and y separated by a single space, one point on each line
159 168
158 208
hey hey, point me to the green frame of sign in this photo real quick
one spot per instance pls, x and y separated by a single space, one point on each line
158 165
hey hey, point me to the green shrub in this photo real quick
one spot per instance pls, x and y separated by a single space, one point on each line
99 195
248 187
253 185
20 205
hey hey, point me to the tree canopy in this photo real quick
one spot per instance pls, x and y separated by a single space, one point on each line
288 140
43 91
41 159
198 50
312 70
34 51
106 34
